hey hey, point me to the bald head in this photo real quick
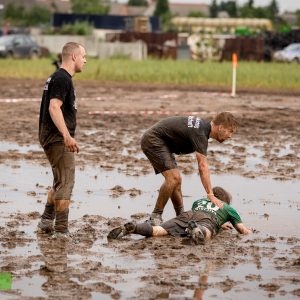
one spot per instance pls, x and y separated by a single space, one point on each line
71 48
73 57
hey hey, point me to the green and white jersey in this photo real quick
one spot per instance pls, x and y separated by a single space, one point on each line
222 215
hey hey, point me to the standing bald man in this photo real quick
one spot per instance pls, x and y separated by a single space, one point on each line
57 125
183 135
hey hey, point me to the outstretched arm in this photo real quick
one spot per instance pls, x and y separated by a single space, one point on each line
242 229
205 178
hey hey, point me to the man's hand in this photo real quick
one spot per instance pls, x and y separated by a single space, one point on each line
241 228
227 226
71 144
215 200
205 178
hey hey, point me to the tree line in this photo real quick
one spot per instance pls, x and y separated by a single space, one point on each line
37 15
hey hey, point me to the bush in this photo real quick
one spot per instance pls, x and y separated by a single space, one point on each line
78 28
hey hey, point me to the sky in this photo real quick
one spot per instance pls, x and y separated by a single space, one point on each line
284 5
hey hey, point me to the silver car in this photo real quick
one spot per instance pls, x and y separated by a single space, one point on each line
19 46
291 53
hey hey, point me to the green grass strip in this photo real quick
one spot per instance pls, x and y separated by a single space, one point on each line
270 76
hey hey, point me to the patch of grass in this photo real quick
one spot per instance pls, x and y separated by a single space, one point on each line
276 76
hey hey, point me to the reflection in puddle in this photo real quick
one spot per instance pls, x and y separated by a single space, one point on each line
253 198
92 193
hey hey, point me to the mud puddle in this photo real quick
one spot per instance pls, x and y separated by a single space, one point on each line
265 264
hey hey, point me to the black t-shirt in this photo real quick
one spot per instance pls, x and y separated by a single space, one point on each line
60 86
183 135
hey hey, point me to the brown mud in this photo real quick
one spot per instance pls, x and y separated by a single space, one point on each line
115 182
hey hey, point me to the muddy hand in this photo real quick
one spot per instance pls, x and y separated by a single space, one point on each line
71 144
227 226
216 201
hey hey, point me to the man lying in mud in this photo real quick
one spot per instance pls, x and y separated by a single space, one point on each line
201 223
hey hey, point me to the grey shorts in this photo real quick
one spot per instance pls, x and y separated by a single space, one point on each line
158 153
177 226
63 168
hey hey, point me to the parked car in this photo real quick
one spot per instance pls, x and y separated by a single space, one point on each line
289 54
19 46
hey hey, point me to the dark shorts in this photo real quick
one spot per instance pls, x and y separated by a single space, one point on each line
63 168
158 153
177 226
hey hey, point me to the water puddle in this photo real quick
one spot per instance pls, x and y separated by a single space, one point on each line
7 146
271 206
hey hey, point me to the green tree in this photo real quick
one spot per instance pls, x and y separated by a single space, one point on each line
298 17
196 14
250 3
37 15
246 11
229 7
15 14
89 7
137 3
18 16
273 9
162 8
213 9
261 12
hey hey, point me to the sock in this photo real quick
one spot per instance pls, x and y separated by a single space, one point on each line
61 221
49 212
158 211
179 210
144 229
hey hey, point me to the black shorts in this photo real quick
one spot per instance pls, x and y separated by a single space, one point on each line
177 226
158 153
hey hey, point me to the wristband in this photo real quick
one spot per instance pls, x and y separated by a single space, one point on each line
210 194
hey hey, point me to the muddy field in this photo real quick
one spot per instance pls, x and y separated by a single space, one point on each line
260 166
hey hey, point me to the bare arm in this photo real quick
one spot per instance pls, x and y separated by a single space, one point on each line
58 119
205 178
242 229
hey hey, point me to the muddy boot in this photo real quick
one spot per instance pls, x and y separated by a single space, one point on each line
61 221
121 231
155 219
45 225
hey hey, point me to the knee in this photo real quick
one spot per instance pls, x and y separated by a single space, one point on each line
61 205
50 198
174 179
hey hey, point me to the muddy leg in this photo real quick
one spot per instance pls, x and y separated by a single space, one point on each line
62 215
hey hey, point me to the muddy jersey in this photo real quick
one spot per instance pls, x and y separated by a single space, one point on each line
183 135
60 86
222 215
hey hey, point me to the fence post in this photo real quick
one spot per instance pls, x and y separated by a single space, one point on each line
234 67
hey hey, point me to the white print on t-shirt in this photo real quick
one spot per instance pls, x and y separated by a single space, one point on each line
75 102
47 84
191 122
205 205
